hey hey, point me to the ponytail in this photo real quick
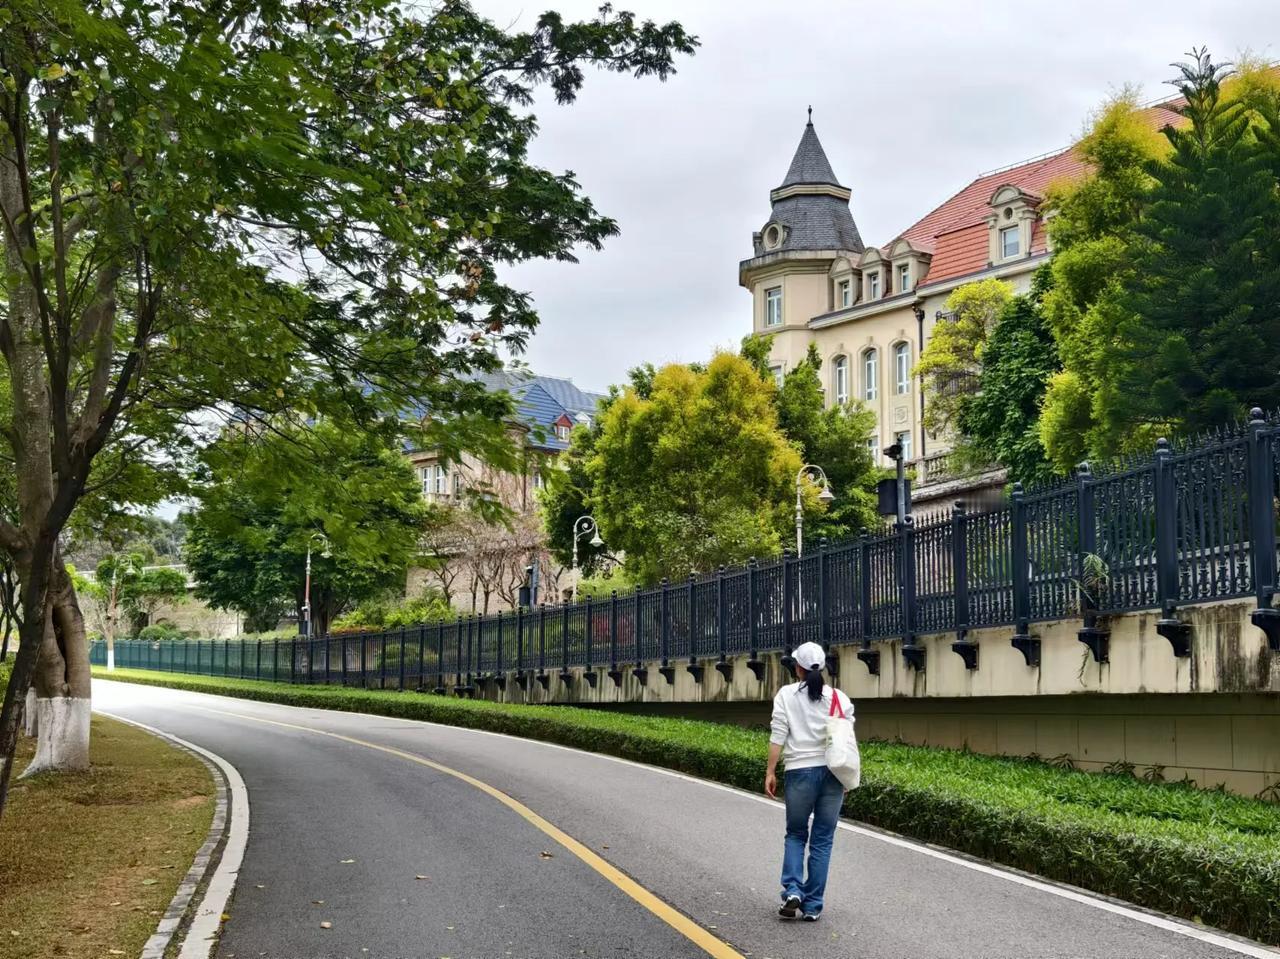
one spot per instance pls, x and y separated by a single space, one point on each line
813 683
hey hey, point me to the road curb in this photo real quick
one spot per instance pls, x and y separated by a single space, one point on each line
216 864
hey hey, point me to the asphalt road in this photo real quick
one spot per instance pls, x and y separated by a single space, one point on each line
340 832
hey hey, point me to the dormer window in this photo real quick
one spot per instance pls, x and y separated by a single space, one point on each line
873 285
772 236
1012 219
562 432
1009 241
844 293
904 277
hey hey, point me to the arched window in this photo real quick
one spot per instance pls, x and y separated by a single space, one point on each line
871 374
902 368
840 379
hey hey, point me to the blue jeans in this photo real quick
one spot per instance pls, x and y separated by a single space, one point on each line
810 792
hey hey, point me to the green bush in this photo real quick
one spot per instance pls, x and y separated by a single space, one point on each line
373 615
6 668
1199 854
160 632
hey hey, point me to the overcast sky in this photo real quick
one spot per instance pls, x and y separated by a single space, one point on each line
911 102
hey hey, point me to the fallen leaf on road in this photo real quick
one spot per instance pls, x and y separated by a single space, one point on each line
259 886
317 902
345 861
545 855
326 925
421 877
604 847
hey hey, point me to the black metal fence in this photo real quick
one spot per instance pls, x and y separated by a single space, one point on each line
1187 526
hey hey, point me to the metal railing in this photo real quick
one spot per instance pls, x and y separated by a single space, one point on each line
1186 526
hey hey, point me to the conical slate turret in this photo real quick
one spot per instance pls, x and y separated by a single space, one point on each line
810 164
810 207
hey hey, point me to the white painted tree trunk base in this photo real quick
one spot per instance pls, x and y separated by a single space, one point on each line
29 720
63 743
111 659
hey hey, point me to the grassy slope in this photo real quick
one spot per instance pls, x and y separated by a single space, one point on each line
1200 854
89 862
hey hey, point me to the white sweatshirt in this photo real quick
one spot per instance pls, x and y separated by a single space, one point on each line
799 724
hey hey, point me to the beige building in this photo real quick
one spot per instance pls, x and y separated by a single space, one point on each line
480 566
871 309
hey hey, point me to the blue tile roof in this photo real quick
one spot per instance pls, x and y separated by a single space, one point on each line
541 400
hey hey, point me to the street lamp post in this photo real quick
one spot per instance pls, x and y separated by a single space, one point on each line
825 496
581 527
306 589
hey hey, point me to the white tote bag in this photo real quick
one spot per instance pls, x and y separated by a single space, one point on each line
842 748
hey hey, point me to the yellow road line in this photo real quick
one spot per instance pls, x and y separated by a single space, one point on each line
681 923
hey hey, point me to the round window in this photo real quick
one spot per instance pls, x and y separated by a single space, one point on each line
772 236
1008 213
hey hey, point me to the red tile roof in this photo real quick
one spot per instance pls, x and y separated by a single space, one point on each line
956 232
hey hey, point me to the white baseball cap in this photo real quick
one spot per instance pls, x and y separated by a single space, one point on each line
809 656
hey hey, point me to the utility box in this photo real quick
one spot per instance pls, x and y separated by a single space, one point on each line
887 496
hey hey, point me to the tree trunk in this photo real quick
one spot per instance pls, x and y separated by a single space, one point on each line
62 683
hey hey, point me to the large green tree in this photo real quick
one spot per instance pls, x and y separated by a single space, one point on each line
1166 268
1000 422
349 496
952 358
213 206
1200 331
695 474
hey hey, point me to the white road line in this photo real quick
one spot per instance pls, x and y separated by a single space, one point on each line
1242 947
202 934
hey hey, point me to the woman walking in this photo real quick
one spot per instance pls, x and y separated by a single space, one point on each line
799 737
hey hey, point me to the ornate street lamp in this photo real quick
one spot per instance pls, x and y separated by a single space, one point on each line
825 496
306 590
581 527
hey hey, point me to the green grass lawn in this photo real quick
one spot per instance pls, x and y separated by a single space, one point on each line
1202 854
89 861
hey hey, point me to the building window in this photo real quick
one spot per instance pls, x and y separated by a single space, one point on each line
904 278
457 484
538 481
773 306
870 374
777 375
562 432
873 285
902 368
840 379
904 440
845 288
1009 241
435 481
873 447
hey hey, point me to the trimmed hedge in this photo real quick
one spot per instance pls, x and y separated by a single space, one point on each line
1200 854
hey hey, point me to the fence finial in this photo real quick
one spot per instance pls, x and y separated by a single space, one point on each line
1255 416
